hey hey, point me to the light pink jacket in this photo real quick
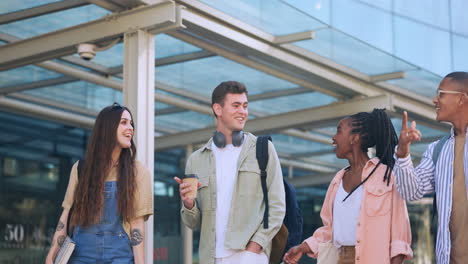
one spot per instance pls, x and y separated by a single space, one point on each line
383 229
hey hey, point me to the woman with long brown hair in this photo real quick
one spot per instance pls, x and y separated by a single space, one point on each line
110 198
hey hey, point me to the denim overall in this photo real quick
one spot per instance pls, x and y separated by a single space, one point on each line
106 242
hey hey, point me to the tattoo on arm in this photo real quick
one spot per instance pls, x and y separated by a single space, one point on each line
60 240
136 237
60 226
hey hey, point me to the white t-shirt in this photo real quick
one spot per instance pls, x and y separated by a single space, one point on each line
345 216
226 175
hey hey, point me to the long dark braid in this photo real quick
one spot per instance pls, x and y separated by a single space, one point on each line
376 129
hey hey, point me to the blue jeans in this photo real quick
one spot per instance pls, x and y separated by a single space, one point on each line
106 242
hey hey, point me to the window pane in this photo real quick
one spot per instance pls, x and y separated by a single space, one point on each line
364 22
460 53
433 12
423 45
7 6
319 9
459 16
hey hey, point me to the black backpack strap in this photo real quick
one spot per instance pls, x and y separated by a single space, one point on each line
438 148
435 156
262 159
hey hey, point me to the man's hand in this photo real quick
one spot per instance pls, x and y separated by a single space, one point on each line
254 247
294 254
184 188
407 136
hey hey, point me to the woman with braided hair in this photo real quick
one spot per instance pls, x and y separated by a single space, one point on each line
364 218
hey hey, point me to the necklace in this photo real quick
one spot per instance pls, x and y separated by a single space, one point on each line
362 182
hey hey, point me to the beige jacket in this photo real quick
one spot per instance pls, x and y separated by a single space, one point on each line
246 215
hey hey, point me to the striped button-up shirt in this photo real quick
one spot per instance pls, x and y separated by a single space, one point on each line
414 183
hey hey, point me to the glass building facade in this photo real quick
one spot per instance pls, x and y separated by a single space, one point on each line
300 59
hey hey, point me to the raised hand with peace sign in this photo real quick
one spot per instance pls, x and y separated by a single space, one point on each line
407 136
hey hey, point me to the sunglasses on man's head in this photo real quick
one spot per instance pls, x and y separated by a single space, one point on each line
116 105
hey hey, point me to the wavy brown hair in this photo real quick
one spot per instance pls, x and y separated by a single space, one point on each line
89 194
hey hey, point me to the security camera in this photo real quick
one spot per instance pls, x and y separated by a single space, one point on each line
87 51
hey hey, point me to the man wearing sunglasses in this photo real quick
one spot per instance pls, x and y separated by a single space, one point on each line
443 169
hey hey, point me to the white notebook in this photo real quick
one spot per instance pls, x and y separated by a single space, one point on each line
65 251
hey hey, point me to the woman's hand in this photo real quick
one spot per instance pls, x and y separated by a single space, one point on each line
58 238
397 259
294 254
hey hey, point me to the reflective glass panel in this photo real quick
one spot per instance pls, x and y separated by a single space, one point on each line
460 53
353 53
291 145
167 223
166 46
39 25
112 57
365 22
184 121
273 16
379 4
459 17
291 103
419 81
7 6
423 45
319 9
203 75
83 94
25 74
435 13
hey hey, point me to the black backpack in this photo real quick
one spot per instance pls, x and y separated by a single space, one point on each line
293 218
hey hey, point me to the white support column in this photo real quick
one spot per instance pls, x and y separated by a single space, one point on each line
138 96
187 233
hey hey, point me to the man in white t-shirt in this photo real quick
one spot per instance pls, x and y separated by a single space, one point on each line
229 206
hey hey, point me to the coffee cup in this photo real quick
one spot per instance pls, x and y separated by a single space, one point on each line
191 179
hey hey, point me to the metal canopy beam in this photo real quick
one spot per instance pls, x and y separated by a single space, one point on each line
47 113
172 59
217 32
109 5
387 76
235 40
53 104
269 69
155 18
71 59
312 116
294 37
33 85
40 10
279 93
